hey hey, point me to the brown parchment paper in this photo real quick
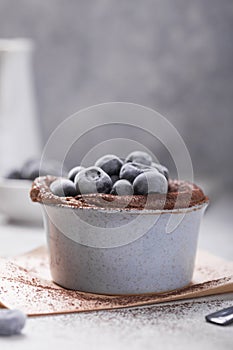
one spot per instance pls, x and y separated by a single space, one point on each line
25 283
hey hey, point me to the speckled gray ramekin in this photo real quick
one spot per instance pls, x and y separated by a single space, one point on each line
119 251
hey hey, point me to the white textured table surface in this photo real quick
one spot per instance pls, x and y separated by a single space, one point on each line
176 325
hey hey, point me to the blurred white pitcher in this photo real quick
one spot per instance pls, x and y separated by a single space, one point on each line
19 135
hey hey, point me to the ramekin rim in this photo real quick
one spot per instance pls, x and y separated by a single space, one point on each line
132 210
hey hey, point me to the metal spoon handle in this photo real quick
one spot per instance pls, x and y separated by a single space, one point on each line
222 317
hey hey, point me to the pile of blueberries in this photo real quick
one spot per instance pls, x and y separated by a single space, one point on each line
33 168
137 174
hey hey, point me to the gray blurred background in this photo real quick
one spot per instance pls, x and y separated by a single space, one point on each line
175 56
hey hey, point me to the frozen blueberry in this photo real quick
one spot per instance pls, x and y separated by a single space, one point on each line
73 172
114 178
30 169
161 168
122 188
139 157
63 188
93 180
130 171
150 182
13 175
11 321
33 168
110 163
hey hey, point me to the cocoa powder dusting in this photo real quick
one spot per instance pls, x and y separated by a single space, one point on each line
180 194
22 288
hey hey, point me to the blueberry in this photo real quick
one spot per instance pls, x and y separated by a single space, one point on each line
122 188
110 163
139 157
162 169
33 168
150 182
93 180
63 188
11 321
114 178
73 172
27 166
130 171
13 175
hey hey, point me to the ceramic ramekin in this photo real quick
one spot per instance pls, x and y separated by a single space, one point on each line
15 202
119 251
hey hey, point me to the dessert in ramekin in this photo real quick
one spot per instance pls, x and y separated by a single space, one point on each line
119 244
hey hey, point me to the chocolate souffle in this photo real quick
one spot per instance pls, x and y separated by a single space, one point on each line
180 194
125 205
